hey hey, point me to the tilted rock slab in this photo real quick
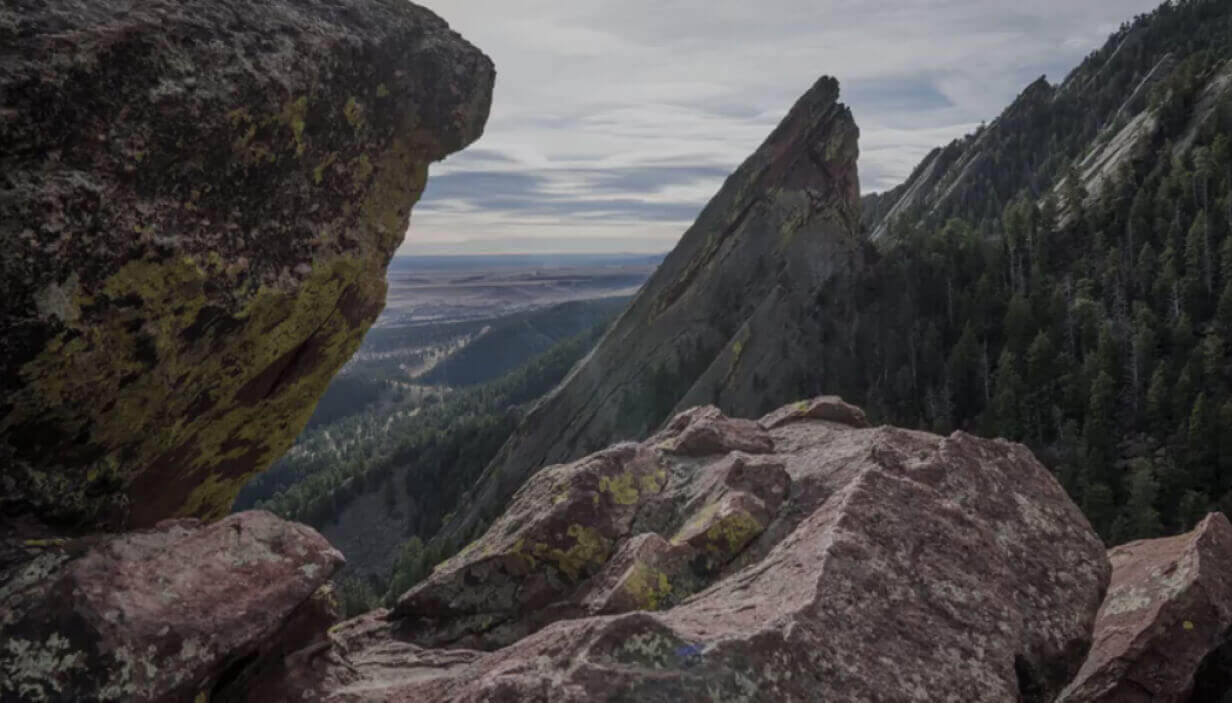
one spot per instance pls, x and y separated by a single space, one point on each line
160 614
734 316
1164 632
197 205
812 561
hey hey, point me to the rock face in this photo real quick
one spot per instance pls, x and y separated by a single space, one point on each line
160 614
1164 632
733 317
197 205
798 558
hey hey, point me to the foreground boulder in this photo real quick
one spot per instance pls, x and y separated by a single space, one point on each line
161 614
1164 632
796 558
197 205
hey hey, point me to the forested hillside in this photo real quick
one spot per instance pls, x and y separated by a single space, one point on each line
434 446
1064 278
512 340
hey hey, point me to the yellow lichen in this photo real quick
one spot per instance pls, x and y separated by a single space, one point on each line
96 360
648 587
292 116
732 532
382 91
318 173
653 482
354 113
589 552
622 487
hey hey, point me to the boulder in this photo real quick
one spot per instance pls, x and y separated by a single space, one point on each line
197 206
842 564
1164 632
161 614
827 407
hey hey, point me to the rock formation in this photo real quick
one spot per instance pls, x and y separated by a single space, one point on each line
197 205
733 317
802 557
1164 632
161 614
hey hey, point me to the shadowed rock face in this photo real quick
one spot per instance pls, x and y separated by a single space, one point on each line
159 614
1164 632
197 205
735 315
796 558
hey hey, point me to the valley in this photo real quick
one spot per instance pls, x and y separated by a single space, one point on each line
434 390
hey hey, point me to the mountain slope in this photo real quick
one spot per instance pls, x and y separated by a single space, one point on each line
1152 80
731 317
1064 277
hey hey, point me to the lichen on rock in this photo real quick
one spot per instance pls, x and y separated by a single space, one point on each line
197 222
834 561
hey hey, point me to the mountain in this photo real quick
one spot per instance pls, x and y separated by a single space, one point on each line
733 316
1159 79
1063 276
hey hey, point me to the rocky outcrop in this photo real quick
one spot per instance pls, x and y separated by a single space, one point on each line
960 171
197 205
160 614
733 316
1164 632
802 557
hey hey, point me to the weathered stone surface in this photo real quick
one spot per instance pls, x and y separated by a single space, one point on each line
161 614
197 205
867 564
733 317
1164 622
827 407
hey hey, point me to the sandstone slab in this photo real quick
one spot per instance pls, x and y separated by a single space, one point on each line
159 614
1165 628
846 564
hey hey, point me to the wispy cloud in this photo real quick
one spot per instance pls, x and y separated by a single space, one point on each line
614 122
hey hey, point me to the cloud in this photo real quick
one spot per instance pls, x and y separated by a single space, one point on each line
616 121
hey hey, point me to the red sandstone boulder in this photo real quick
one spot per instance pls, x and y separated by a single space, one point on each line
827 407
161 614
1164 632
836 564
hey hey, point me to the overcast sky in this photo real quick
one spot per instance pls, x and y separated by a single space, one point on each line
614 121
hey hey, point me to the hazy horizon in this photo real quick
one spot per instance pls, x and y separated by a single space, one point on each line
613 123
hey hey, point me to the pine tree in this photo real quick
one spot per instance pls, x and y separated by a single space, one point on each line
1007 396
1158 400
1142 517
1097 430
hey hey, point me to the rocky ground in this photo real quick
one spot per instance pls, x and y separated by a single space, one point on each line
197 204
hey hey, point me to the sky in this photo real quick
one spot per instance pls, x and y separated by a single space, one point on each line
614 121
